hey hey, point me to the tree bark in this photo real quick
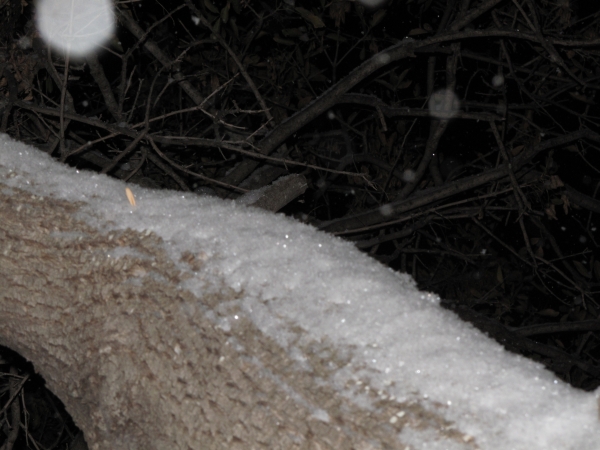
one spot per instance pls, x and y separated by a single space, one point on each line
136 359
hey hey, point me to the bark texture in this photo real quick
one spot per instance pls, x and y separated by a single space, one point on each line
138 363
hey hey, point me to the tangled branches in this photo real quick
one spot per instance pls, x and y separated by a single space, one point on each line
451 140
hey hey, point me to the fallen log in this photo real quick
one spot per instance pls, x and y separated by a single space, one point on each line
171 321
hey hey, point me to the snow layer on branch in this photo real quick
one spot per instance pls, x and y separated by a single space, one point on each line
288 273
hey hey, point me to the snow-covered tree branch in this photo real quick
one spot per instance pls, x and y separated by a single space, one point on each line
188 322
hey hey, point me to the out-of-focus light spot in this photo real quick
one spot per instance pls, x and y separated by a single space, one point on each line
444 104
498 80
75 26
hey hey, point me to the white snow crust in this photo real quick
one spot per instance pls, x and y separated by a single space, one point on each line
289 273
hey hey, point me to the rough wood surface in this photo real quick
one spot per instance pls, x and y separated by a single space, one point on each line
137 362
